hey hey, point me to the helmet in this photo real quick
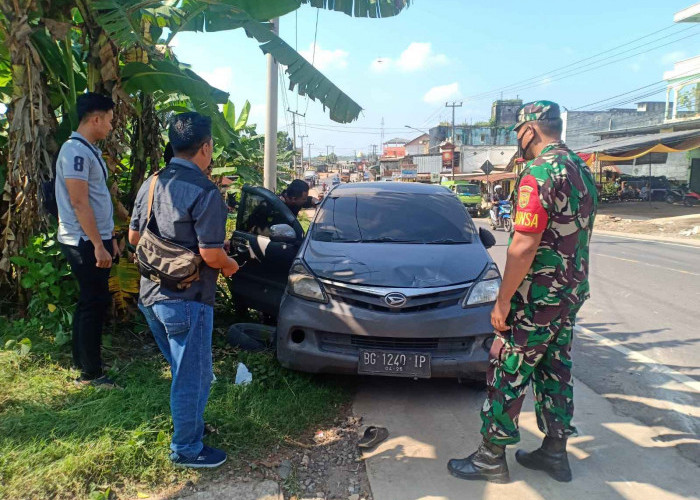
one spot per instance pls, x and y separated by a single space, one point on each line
498 187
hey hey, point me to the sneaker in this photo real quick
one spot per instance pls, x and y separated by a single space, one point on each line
208 458
103 382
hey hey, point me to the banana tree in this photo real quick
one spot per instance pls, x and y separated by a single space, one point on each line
118 19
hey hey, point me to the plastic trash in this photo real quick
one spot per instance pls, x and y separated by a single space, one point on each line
243 375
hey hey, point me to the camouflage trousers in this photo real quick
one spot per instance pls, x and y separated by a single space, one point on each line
536 349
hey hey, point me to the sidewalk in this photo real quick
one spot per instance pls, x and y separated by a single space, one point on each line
430 422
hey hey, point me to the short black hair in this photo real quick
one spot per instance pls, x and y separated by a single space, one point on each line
187 133
297 188
168 153
91 102
552 127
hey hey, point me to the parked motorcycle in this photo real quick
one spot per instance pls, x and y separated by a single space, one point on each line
691 199
502 219
676 195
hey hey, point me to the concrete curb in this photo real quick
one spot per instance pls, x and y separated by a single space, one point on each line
645 237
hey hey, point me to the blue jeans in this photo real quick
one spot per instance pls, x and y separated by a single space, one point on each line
182 330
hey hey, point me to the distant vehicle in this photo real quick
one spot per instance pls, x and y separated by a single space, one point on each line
335 181
311 177
345 304
502 217
469 194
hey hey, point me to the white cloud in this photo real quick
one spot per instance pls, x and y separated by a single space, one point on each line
326 59
635 67
221 78
418 56
546 82
673 57
442 93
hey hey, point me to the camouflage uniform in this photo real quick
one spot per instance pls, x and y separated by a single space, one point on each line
554 195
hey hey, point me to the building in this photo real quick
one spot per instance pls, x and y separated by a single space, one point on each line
395 148
581 127
505 112
418 146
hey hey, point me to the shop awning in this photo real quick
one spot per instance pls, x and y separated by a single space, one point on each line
492 177
630 148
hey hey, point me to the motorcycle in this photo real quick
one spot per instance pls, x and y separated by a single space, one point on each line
691 199
675 195
501 219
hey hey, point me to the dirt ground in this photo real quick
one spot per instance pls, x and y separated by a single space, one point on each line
658 219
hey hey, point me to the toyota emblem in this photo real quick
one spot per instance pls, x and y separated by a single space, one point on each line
395 299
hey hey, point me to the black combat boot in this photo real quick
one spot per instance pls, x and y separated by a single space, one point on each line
550 457
487 463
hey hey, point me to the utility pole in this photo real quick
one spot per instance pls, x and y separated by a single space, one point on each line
310 144
381 142
302 137
270 163
453 106
294 139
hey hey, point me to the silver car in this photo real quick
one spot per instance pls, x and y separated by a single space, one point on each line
391 279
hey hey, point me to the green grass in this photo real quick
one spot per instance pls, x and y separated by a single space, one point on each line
61 441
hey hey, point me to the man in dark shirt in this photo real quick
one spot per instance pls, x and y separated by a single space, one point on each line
188 210
296 196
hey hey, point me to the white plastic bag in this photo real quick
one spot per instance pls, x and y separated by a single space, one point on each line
243 375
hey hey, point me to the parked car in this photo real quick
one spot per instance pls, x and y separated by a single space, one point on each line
391 279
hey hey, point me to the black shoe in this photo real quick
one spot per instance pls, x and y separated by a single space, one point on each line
551 458
208 458
487 463
103 382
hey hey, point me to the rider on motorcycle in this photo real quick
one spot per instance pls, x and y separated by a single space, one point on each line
498 196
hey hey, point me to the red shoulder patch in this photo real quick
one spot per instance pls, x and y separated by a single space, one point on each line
530 215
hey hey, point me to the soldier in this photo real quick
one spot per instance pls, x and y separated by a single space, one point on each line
544 285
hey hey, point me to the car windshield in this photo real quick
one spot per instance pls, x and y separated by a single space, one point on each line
394 218
468 189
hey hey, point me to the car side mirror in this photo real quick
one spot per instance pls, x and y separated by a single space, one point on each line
487 238
283 233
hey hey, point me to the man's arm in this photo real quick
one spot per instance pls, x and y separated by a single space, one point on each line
521 254
134 237
78 191
217 259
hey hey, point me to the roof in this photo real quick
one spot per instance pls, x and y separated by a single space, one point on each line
688 15
419 139
625 144
396 140
493 177
368 188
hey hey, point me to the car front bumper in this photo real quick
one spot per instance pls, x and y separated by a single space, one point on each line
327 338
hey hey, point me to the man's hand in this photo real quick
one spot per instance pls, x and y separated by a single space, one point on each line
102 256
227 246
230 269
499 315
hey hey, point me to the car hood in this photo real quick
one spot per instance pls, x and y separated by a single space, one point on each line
396 265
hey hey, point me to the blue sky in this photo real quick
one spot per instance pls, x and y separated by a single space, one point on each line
403 69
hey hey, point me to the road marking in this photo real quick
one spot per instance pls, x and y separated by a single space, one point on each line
647 264
640 358
648 240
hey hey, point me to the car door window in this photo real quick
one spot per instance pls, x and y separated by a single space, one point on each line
260 210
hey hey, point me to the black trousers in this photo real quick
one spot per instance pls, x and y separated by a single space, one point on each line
94 300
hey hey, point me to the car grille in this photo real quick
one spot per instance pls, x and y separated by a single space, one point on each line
351 344
373 298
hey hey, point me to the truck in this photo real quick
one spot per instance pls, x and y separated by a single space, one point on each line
311 177
468 193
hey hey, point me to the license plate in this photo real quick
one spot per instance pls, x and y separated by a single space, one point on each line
394 364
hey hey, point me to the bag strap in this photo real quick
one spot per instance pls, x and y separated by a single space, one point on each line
151 192
87 145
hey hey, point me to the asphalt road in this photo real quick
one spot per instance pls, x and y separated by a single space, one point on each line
637 394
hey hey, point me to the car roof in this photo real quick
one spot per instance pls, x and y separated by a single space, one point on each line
368 188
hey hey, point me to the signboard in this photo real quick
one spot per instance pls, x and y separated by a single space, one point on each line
409 174
434 178
487 167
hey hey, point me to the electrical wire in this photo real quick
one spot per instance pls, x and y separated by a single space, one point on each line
313 54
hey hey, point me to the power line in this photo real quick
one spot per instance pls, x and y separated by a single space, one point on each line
313 55
512 87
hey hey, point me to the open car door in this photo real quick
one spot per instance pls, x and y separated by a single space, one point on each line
265 258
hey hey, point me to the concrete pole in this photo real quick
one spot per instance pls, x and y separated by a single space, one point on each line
270 164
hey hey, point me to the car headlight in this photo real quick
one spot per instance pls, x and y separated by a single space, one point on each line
485 290
304 285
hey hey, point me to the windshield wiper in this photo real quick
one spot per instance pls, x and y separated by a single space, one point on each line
448 242
386 239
